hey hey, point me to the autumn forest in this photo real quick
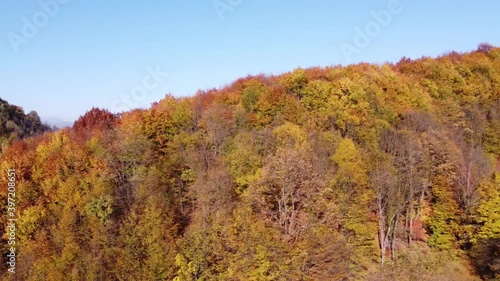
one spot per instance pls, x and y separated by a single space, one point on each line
361 172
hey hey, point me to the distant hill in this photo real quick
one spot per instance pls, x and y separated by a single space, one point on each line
57 122
15 124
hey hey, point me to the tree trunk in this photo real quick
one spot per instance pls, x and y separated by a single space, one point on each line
410 233
382 238
393 239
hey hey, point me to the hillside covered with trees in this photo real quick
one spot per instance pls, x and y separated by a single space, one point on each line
360 172
15 124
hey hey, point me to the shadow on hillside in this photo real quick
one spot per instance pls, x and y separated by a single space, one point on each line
486 257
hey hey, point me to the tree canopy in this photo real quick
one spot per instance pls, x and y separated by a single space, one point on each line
362 172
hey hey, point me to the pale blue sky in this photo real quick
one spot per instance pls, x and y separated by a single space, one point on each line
100 53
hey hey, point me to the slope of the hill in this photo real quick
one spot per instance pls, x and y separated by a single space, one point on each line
15 124
365 172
